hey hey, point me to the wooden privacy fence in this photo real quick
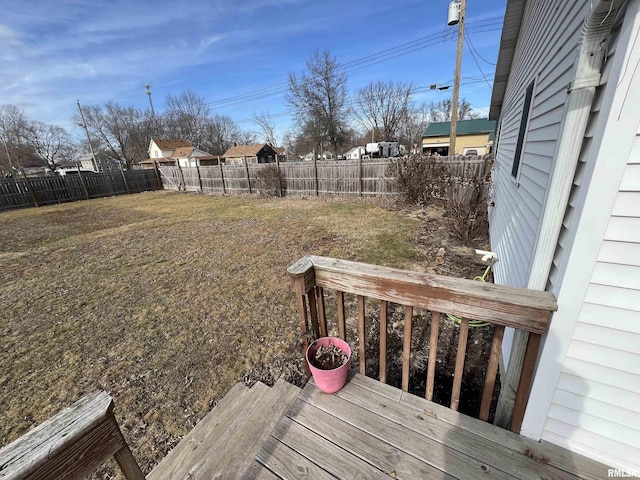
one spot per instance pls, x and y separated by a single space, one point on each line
502 306
48 190
341 177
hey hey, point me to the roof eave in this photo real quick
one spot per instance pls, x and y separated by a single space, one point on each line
508 42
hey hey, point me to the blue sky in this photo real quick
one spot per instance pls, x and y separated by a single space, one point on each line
236 54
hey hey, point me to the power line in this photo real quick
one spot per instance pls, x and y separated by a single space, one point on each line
420 89
478 53
412 46
478 64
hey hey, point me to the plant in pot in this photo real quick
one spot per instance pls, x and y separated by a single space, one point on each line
329 359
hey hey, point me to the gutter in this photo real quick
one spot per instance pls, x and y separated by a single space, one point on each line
592 52
592 49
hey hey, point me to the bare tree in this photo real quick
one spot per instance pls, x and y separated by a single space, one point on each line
124 132
51 143
15 152
383 107
412 129
319 96
187 116
220 134
267 127
441 111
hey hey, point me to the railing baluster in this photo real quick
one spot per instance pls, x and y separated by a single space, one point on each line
313 312
522 395
342 331
303 319
322 317
361 335
383 341
457 375
492 369
433 352
406 347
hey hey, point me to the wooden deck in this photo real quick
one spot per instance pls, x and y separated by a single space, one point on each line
367 430
372 430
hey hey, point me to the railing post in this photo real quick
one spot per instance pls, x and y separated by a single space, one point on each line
383 341
524 385
303 278
406 347
362 336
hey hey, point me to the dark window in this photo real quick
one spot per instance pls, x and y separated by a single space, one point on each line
524 120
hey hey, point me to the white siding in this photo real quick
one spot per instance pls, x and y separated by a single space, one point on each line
596 404
586 393
545 53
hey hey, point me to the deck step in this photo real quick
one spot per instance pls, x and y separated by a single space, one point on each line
222 444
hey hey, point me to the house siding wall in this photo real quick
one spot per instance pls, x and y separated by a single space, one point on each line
596 403
545 53
586 394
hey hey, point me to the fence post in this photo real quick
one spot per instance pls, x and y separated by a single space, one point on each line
315 171
359 176
84 185
199 179
224 190
158 177
30 188
124 179
279 177
246 166
182 182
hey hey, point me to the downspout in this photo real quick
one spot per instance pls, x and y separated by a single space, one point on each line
592 49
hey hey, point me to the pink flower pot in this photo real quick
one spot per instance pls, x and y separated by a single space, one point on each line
329 381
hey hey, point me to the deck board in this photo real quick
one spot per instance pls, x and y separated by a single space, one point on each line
377 431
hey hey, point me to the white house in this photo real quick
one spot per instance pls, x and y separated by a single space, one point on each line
177 152
355 153
566 214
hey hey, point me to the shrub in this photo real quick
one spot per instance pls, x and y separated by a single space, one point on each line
421 180
466 205
424 180
268 181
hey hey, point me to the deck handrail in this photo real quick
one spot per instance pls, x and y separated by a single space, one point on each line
501 305
71 444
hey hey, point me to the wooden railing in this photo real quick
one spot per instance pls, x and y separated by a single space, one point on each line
502 306
70 445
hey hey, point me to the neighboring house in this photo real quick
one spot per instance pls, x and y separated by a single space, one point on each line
566 214
256 153
477 134
320 156
177 152
355 153
103 163
193 157
281 152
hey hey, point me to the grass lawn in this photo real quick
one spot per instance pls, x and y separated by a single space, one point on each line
165 300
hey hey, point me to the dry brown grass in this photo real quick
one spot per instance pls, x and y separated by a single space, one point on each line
165 301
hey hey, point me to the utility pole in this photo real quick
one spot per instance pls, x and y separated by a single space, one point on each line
7 151
456 78
148 92
86 130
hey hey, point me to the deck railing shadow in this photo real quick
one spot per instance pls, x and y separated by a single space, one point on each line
499 305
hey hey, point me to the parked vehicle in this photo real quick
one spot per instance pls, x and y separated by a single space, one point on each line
384 149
